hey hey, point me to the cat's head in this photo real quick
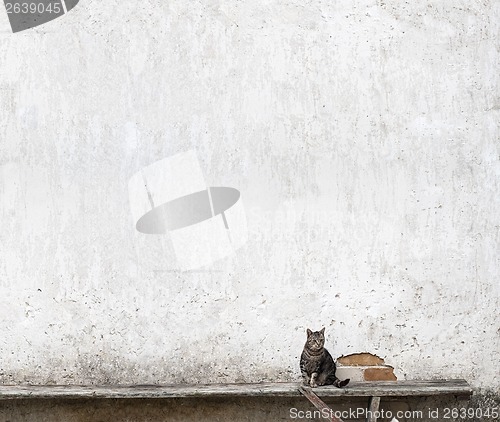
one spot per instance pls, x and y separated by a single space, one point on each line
315 339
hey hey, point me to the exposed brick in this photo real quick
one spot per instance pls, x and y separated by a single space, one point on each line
361 359
366 373
380 373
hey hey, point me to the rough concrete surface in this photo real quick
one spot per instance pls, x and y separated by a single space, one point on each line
364 139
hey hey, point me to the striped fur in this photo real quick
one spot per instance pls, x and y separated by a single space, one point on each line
316 364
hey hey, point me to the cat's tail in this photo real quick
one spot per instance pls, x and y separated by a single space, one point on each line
340 384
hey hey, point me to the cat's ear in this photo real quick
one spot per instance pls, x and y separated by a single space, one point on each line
323 331
309 332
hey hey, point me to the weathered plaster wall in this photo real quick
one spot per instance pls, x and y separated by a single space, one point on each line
363 136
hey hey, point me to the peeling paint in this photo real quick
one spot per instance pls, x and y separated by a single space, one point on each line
361 359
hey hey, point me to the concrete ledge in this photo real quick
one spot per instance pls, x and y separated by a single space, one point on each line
356 389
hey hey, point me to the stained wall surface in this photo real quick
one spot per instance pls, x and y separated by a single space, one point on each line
362 135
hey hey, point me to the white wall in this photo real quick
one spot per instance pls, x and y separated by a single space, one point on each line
363 136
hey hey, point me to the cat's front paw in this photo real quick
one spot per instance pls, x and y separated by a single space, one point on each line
313 384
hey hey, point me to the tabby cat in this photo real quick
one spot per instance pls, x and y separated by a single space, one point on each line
316 364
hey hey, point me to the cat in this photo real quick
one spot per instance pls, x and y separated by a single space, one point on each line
316 364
